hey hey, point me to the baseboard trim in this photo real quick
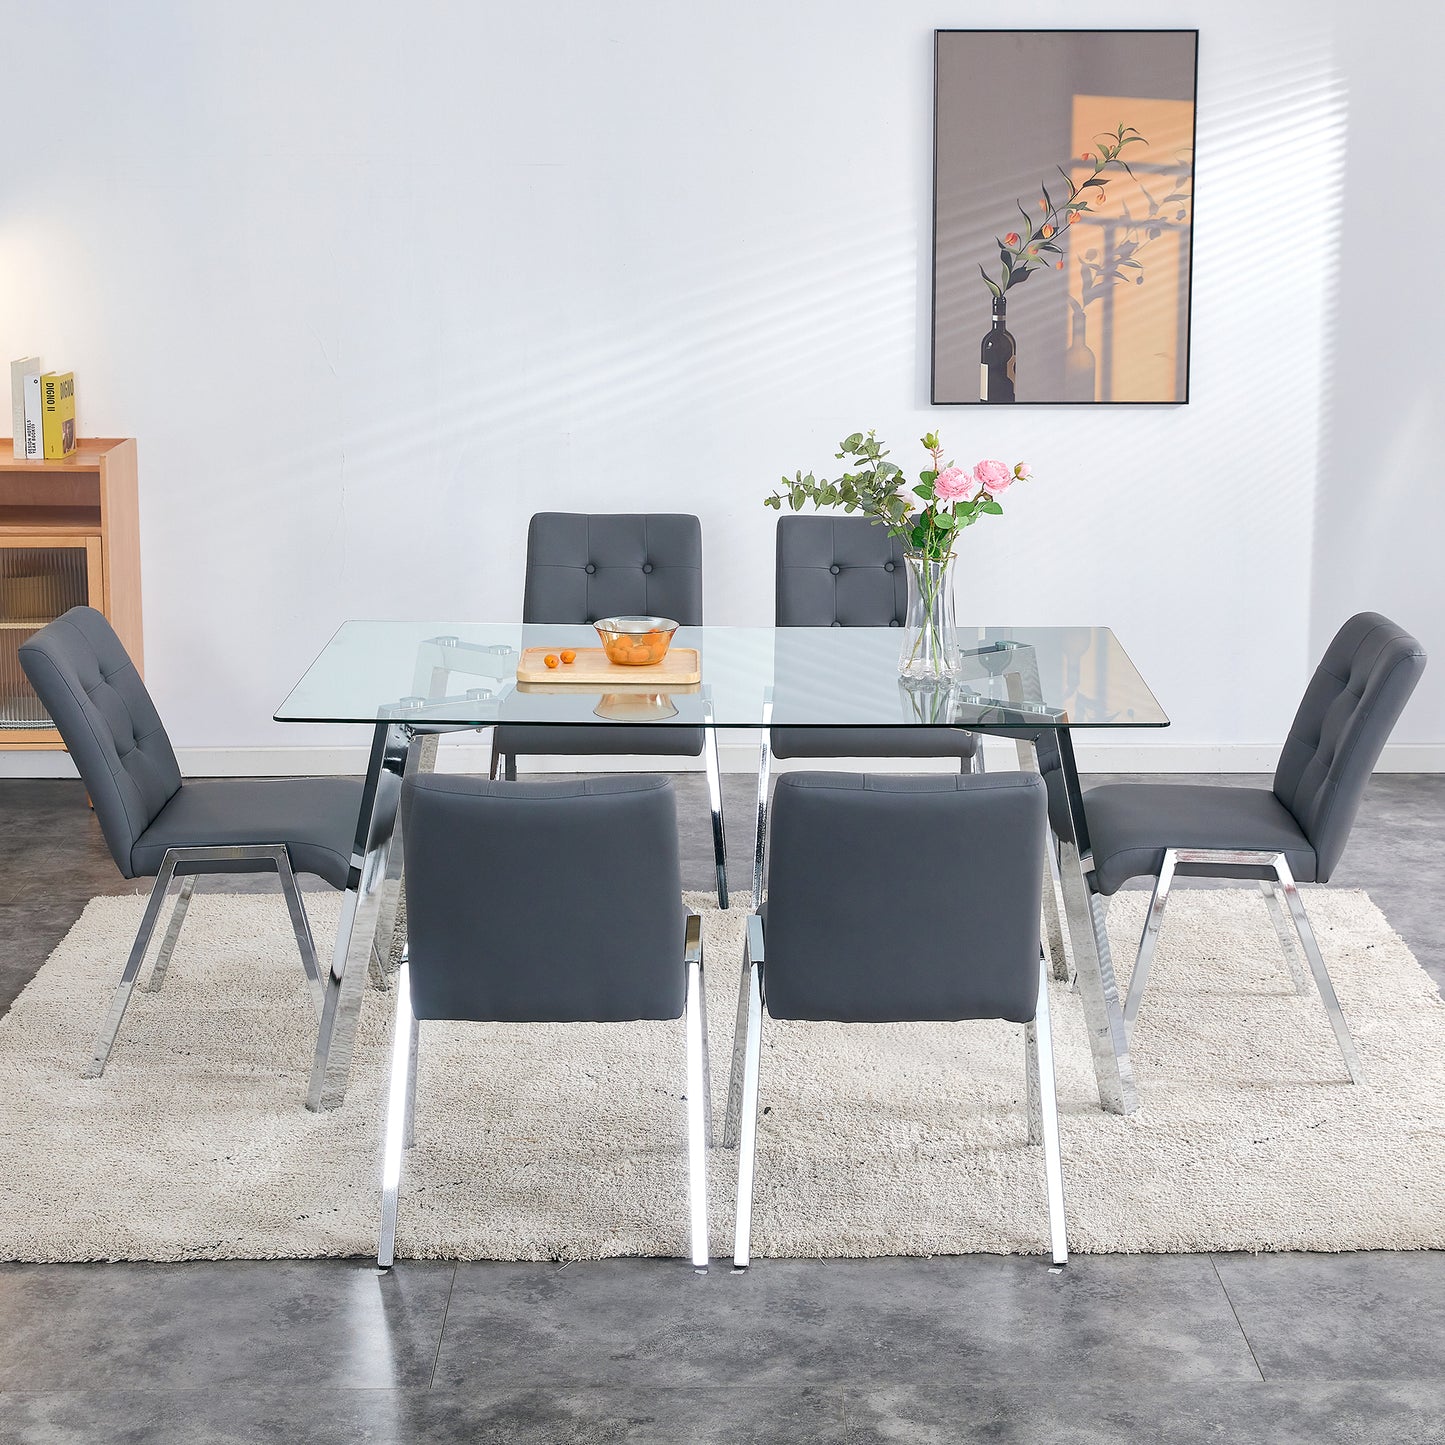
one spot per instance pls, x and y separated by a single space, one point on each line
737 753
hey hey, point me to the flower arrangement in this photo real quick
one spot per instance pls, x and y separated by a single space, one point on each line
953 497
1020 254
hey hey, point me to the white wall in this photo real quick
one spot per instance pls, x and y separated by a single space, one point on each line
372 283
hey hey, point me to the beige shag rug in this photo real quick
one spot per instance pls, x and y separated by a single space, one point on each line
565 1141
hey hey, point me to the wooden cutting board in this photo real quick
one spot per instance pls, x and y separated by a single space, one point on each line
679 668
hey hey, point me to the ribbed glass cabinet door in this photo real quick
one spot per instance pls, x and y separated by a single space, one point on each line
40 579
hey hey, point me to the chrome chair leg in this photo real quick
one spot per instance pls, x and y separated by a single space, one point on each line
398 1105
1041 1078
1033 1088
1285 933
300 924
173 932
1290 889
105 1040
692 953
714 793
408 1138
748 1124
1152 922
698 1105
740 1039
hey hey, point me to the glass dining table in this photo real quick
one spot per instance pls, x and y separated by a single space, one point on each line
1036 686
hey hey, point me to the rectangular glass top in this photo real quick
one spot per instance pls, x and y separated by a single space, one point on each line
466 673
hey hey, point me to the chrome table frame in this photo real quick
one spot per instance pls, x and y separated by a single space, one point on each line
369 903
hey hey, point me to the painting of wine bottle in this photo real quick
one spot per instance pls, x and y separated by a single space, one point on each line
1072 287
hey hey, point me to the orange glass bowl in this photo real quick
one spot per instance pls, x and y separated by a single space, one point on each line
635 641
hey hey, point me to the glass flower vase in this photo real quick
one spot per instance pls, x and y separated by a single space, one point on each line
930 651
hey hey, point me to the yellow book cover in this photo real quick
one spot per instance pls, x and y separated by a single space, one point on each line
57 408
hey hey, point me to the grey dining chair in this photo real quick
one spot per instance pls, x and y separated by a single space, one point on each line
844 572
156 824
485 865
1291 833
585 566
853 934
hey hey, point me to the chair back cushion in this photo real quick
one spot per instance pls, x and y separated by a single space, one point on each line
582 566
839 572
904 898
543 902
93 693
1349 710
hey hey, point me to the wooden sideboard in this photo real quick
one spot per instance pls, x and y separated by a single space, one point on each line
69 534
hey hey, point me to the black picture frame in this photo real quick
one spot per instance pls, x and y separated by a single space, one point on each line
1004 100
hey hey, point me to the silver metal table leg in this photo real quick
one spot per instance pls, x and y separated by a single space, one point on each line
360 909
1056 942
173 933
1098 989
714 793
765 764
387 946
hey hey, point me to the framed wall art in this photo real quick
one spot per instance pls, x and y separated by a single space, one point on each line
1063 213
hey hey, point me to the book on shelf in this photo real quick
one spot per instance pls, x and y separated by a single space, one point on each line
19 370
58 407
34 421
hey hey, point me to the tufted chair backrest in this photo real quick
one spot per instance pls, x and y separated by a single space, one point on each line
93 693
582 566
839 572
1349 709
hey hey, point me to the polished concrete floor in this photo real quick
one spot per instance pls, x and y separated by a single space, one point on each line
1271 1348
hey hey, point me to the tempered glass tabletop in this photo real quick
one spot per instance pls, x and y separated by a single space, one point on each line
466 674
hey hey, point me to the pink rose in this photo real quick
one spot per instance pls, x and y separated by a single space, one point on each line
1023 472
993 477
952 485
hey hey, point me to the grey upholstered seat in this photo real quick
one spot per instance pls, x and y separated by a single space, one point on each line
315 816
858 929
157 825
1290 833
545 902
584 566
1131 824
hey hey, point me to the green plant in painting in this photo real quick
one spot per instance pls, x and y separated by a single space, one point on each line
1021 253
